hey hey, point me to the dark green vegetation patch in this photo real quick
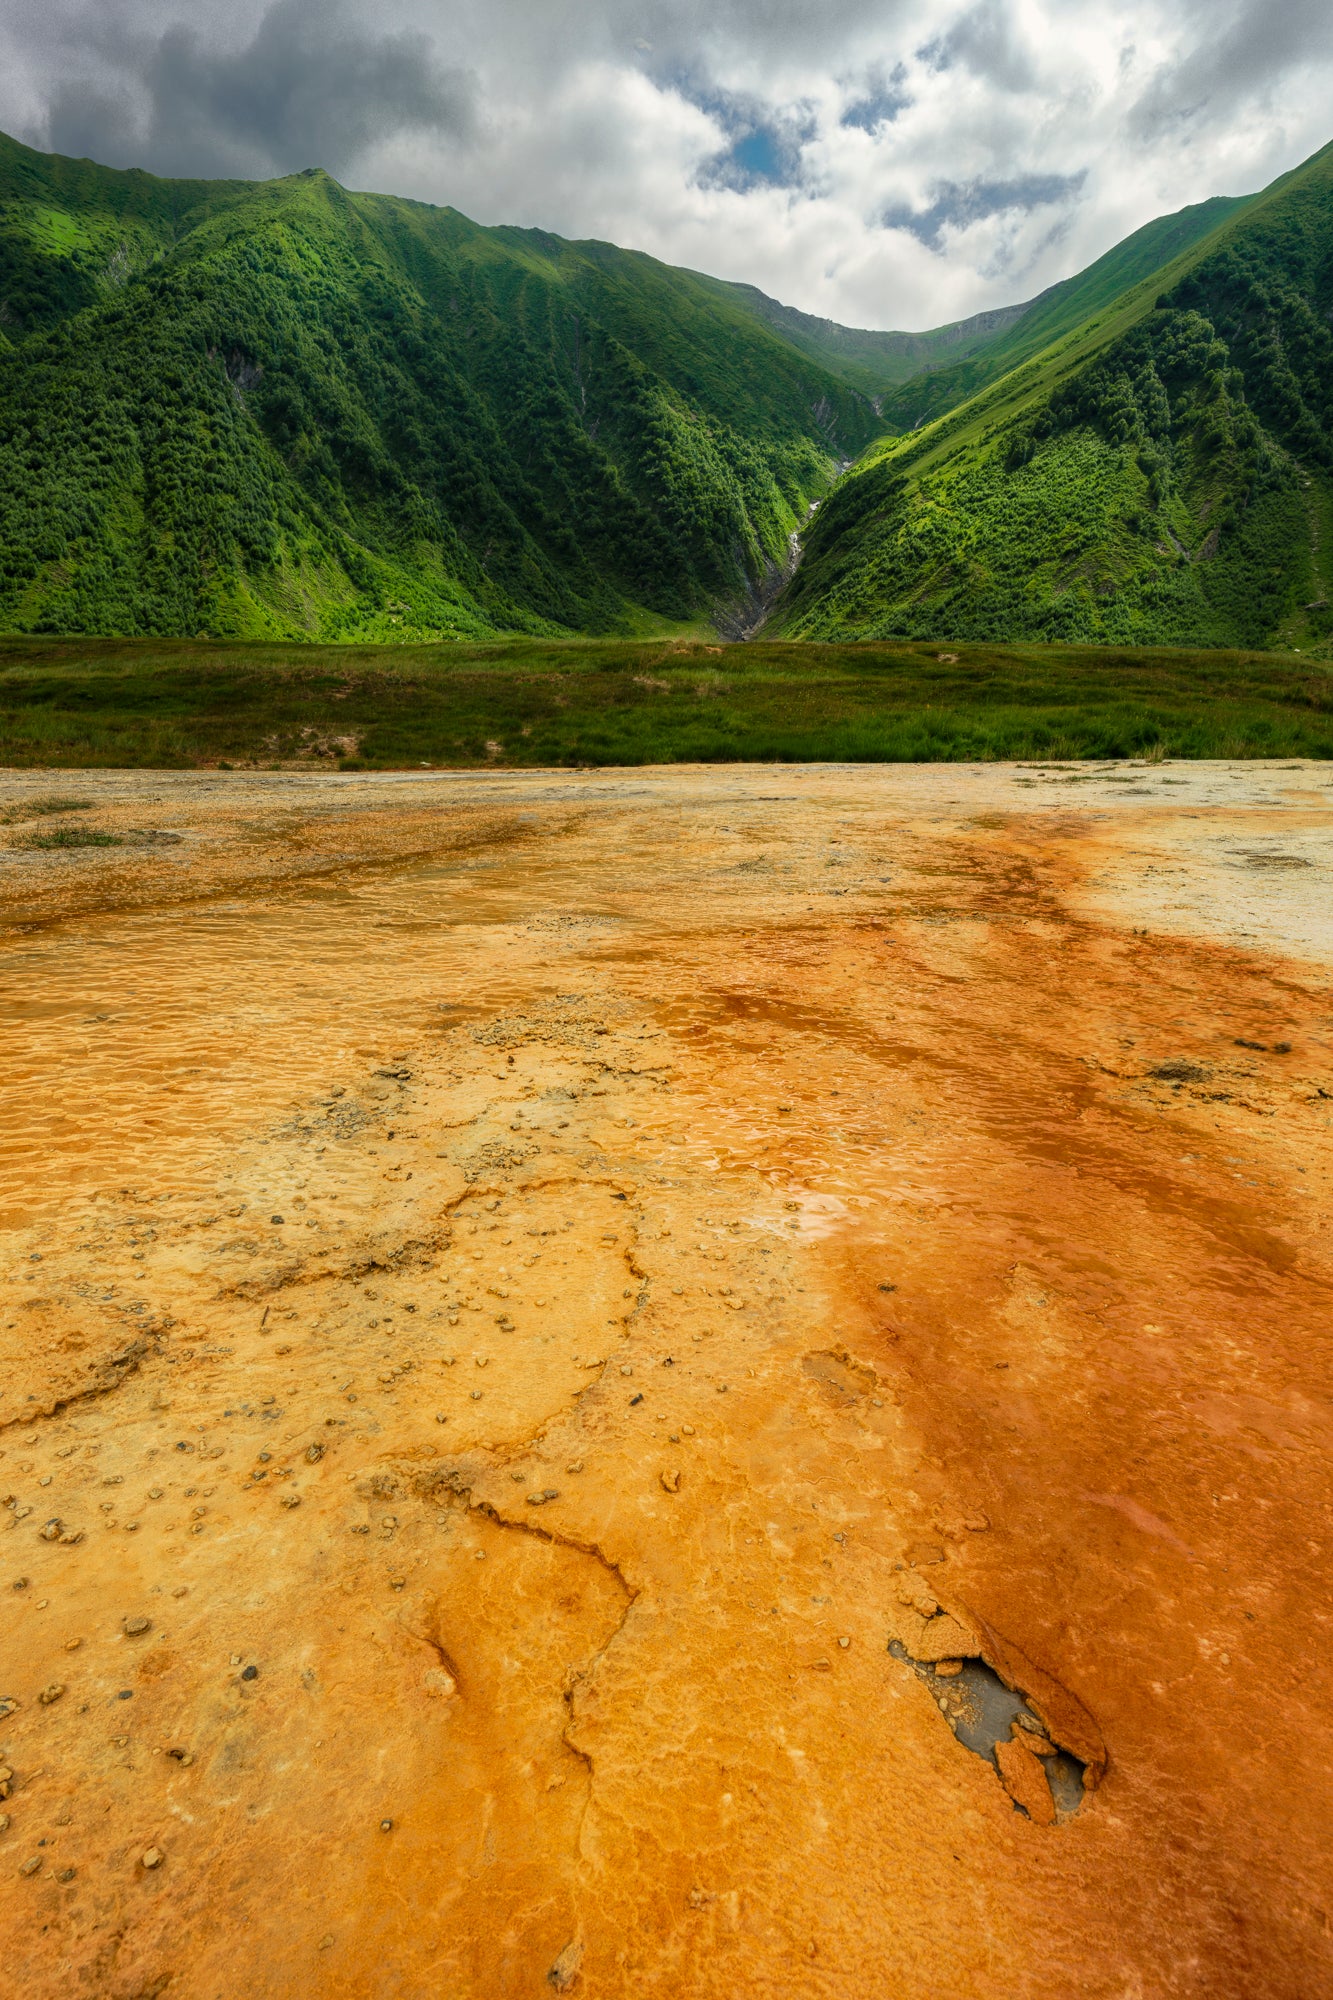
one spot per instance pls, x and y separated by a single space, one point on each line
179 704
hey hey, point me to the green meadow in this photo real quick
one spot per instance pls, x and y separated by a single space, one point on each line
187 704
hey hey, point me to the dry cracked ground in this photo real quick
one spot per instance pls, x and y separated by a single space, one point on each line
703 1383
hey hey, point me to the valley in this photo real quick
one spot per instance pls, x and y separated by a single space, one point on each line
282 411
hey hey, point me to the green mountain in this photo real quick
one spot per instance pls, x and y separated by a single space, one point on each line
1057 311
282 410
1160 473
913 377
285 410
874 362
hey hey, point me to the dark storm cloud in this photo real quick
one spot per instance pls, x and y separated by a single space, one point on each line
1240 57
307 90
955 205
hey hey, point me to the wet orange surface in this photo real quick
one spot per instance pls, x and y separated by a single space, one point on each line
545 1315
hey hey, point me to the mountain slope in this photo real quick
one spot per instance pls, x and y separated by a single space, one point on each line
283 409
1162 474
914 377
1058 311
869 361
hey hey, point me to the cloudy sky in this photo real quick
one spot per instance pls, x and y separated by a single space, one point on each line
889 163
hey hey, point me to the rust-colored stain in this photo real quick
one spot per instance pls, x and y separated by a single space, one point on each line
565 1335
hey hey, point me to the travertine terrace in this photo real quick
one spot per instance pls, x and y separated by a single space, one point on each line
544 1315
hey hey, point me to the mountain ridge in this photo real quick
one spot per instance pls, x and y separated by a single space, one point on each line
288 410
292 410
1160 474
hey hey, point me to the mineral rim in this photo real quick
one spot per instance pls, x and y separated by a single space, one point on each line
696 1383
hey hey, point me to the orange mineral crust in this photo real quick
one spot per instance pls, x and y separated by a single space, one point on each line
689 1384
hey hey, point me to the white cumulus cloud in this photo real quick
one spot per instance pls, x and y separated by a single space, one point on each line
884 162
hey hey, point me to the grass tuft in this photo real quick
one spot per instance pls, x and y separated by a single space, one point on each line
69 836
35 808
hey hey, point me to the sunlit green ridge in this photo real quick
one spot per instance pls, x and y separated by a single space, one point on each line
1161 474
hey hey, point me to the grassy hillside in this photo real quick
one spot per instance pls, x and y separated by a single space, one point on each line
874 362
183 704
282 409
1163 474
928 393
915 377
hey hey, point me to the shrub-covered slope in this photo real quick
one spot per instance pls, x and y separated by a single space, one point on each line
285 409
1162 475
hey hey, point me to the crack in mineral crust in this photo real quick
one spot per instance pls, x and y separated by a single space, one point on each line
976 1251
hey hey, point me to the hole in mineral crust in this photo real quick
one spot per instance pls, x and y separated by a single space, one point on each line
982 1711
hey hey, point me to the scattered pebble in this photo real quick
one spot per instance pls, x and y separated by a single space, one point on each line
135 1626
31 1866
386 1826
670 1481
52 1693
250 1673
153 1857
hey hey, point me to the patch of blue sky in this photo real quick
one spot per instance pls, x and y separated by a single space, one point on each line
879 103
958 204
